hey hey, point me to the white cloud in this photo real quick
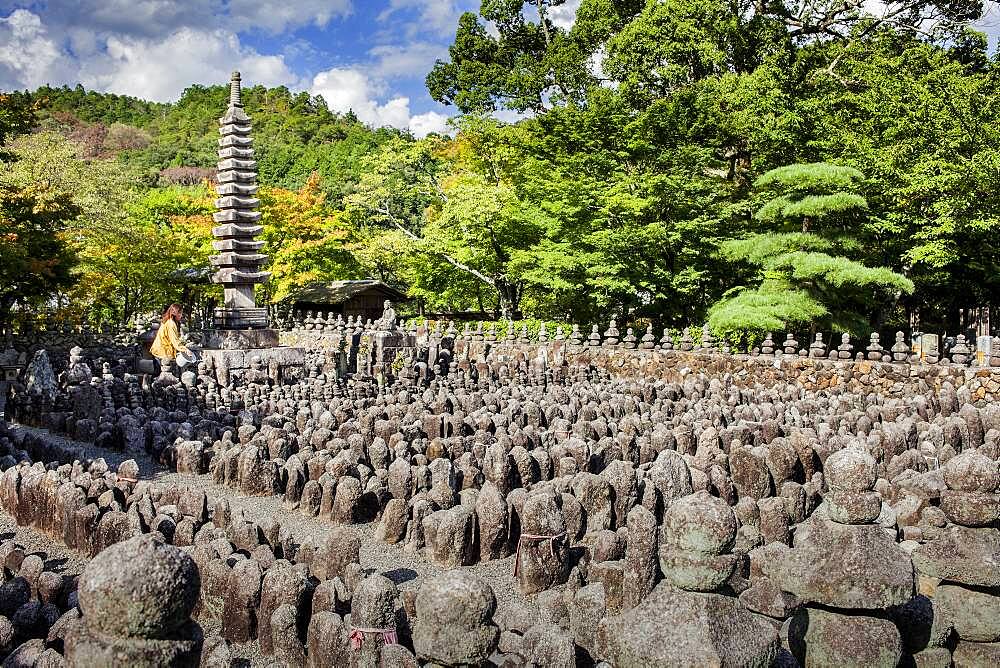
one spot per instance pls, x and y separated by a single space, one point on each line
155 68
122 56
511 116
28 56
433 16
159 70
414 59
564 15
136 18
277 16
990 24
154 18
351 89
422 125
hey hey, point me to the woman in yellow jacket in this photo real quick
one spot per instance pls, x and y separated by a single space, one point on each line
167 343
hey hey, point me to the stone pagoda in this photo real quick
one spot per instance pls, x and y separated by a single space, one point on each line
239 264
241 336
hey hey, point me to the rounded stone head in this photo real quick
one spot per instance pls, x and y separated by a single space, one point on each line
140 588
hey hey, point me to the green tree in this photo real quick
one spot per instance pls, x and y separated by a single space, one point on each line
529 65
919 121
305 238
35 260
801 272
18 115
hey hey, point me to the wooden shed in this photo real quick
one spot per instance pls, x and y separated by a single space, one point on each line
362 298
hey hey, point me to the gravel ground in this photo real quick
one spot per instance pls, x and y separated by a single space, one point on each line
58 558
401 567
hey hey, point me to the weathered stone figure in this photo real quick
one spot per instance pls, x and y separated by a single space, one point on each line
387 322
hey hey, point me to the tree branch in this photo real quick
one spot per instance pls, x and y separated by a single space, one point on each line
449 259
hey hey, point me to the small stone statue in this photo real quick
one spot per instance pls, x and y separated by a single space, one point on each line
845 350
687 343
767 345
387 322
818 347
611 335
875 350
900 351
708 341
960 353
79 371
648 339
791 346
666 341
629 342
595 337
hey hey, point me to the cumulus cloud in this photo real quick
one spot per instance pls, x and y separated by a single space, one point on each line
135 18
277 16
407 60
28 56
158 70
564 15
511 116
350 89
154 18
430 16
153 49
424 124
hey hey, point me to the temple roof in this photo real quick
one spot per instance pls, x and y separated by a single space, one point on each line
337 292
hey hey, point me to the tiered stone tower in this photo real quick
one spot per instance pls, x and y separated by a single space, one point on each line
241 341
239 262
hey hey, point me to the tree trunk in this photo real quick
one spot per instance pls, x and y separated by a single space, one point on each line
509 298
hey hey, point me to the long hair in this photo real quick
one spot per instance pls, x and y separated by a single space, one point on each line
173 312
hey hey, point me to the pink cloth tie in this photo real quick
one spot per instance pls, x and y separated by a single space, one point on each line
358 636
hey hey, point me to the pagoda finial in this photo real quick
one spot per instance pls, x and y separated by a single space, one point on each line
235 98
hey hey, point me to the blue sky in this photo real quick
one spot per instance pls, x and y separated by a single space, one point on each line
367 55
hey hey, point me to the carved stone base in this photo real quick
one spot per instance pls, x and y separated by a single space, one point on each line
84 648
239 339
241 318
255 364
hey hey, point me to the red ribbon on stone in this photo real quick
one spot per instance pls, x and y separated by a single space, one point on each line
358 636
537 538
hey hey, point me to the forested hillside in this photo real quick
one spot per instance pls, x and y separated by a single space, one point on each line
295 134
760 167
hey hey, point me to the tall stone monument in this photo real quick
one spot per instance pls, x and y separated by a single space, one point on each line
239 261
239 264
241 336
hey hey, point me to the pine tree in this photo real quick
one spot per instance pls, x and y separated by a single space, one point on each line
799 257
